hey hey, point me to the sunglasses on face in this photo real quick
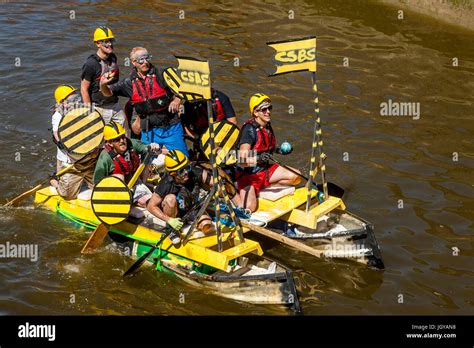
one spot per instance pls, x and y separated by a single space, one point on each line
183 171
264 110
74 98
107 43
142 59
116 140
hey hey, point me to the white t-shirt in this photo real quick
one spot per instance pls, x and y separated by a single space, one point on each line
61 155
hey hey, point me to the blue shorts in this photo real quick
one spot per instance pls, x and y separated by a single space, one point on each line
172 137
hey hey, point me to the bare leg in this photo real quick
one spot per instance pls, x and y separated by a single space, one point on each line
283 176
169 205
248 197
205 223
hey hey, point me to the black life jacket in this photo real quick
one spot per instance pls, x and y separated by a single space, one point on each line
107 66
125 164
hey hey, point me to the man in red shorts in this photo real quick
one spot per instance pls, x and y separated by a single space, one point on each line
256 142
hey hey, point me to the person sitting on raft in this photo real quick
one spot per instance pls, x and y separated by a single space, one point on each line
69 185
178 191
257 141
120 157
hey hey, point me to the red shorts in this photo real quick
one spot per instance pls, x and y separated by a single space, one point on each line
258 180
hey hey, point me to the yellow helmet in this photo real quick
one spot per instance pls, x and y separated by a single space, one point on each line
175 160
62 92
103 33
256 100
113 130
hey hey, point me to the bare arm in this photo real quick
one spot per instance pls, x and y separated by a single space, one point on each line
85 91
154 207
232 120
104 81
245 158
136 128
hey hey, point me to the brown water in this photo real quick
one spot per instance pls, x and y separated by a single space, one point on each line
390 158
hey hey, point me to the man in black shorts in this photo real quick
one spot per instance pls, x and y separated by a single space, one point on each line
177 192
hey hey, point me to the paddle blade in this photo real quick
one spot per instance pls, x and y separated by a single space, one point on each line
96 239
21 197
139 262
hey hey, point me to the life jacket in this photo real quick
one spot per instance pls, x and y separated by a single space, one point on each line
94 89
149 95
200 120
151 100
125 164
266 140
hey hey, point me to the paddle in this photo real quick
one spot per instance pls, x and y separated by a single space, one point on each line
97 237
282 239
333 189
168 230
19 198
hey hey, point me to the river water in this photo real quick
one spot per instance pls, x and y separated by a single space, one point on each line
426 162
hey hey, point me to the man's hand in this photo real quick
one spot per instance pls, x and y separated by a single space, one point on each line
155 148
174 105
175 223
106 78
264 157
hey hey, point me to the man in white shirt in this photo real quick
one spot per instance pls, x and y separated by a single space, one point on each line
69 184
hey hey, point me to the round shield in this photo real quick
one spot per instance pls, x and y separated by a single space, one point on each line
81 131
111 200
226 136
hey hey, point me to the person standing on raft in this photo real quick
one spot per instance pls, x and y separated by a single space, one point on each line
257 141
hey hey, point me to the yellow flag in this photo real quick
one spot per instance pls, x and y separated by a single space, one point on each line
294 55
192 79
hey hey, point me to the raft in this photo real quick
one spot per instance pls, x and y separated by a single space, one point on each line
239 272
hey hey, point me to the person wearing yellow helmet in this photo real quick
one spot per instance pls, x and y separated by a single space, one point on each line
257 141
69 185
121 157
102 62
178 191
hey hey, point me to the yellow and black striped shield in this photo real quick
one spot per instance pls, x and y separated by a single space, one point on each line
226 136
294 55
111 200
81 131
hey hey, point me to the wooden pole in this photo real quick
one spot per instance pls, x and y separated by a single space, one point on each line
282 239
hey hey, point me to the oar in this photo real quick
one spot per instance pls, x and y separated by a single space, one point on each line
168 230
19 198
97 237
333 189
282 239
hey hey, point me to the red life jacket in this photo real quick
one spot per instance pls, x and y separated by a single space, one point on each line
266 140
149 95
217 111
125 164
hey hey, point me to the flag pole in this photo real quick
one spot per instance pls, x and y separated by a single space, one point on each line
317 143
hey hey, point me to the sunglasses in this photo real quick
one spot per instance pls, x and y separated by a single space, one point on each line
73 98
183 171
142 59
107 43
268 108
116 140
